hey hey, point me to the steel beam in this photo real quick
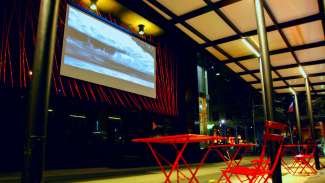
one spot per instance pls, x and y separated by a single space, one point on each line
283 25
267 82
34 151
311 121
298 119
282 50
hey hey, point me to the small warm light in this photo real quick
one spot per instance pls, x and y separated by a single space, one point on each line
302 72
50 110
141 29
30 73
93 5
250 46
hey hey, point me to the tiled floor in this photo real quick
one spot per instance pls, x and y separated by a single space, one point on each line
208 173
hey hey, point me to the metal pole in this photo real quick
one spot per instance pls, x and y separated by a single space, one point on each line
311 121
34 151
298 119
267 81
253 116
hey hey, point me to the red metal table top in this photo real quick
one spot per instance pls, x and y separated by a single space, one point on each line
182 138
234 145
298 145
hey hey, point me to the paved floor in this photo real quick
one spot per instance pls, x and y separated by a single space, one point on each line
209 173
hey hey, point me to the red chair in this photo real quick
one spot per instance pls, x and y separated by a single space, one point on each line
303 160
261 169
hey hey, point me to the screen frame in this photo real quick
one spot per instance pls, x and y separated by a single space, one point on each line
136 90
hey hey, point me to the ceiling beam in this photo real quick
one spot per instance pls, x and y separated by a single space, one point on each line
299 85
322 13
202 10
282 50
196 32
292 77
233 27
316 62
303 20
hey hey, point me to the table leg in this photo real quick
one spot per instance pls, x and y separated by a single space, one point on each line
200 164
179 155
158 162
186 164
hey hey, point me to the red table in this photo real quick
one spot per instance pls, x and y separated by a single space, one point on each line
301 160
183 140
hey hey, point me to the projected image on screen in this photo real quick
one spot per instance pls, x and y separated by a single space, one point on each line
97 52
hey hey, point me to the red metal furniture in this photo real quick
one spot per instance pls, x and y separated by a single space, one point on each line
229 159
301 162
261 169
179 143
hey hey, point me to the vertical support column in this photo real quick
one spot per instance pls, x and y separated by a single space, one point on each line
311 121
267 81
298 119
34 151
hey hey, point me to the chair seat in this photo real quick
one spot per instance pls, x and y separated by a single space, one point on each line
304 156
243 170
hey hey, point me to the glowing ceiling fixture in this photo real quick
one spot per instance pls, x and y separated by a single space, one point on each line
250 46
292 91
93 5
302 72
141 29
77 116
114 118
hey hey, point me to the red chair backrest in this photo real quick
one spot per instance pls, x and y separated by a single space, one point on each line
273 133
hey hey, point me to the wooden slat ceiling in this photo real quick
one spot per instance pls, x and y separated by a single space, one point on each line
295 30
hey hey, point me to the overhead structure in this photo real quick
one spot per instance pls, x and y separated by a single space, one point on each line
311 122
295 31
297 112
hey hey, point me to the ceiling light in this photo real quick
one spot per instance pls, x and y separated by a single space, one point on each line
77 116
250 46
114 118
217 74
292 91
93 5
50 110
302 72
141 29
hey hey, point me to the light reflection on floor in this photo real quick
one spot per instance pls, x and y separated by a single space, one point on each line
208 173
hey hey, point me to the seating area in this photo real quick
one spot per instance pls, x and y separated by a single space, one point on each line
151 91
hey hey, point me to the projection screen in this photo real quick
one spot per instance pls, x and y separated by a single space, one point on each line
100 53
